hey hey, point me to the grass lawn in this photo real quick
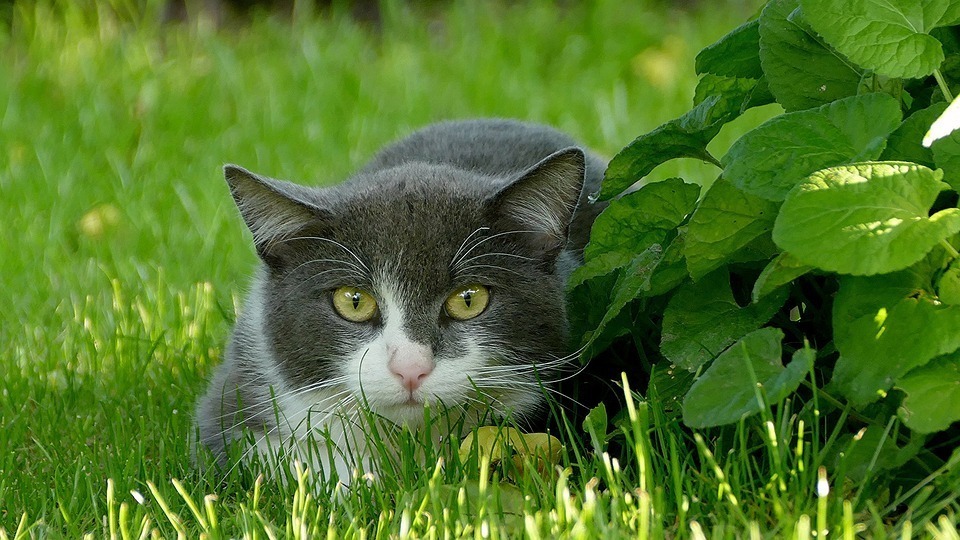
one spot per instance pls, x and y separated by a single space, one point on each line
122 262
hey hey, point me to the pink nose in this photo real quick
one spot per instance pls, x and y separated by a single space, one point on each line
410 363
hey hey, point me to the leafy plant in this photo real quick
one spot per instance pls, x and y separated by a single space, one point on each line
829 239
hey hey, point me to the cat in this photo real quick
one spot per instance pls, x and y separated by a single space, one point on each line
434 276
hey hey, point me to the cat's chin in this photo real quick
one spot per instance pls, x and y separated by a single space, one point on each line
408 413
413 412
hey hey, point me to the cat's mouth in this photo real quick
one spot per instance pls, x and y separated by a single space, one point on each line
406 402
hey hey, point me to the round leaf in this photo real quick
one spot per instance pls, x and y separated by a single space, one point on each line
498 443
904 143
890 37
886 325
727 391
686 136
933 395
703 318
783 269
725 222
869 218
735 55
948 286
946 154
802 72
772 159
636 221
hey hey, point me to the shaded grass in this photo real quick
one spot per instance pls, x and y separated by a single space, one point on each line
123 260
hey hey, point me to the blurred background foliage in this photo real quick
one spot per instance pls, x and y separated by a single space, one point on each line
119 114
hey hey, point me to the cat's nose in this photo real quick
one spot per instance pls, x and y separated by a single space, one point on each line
410 363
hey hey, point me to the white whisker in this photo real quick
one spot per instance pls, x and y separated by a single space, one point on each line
334 242
487 239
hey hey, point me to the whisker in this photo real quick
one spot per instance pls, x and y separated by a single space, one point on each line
349 264
294 444
466 269
454 261
310 430
498 254
540 386
334 242
526 366
272 402
319 385
306 281
488 238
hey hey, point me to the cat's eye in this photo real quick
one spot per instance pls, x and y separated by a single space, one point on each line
467 302
353 304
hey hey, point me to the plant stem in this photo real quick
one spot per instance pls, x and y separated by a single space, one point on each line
943 85
950 249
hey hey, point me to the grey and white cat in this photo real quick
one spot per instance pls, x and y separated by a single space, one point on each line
434 276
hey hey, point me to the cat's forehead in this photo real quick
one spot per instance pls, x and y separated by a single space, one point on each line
438 187
411 222
422 207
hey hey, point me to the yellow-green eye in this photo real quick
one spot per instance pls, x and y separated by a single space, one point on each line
353 304
467 302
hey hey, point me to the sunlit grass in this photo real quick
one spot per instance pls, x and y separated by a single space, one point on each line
122 261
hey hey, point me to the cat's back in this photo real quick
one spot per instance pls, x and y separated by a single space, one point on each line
493 147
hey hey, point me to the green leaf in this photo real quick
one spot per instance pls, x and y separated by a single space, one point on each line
624 259
667 387
737 54
776 156
865 296
904 144
755 91
946 154
933 395
862 455
636 221
596 421
864 219
801 70
780 271
885 326
588 303
686 136
890 37
672 269
595 425
632 281
631 224
600 265
702 319
948 286
728 390
725 222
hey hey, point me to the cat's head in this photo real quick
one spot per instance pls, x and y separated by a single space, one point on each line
417 284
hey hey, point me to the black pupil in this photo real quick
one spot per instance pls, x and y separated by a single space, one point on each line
355 298
467 297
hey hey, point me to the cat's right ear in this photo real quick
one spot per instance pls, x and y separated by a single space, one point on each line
274 211
542 200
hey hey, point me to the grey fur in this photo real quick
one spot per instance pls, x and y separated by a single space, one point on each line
405 218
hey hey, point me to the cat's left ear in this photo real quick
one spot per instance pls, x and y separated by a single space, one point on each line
541 201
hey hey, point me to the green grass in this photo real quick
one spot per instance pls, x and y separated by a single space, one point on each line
122 261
